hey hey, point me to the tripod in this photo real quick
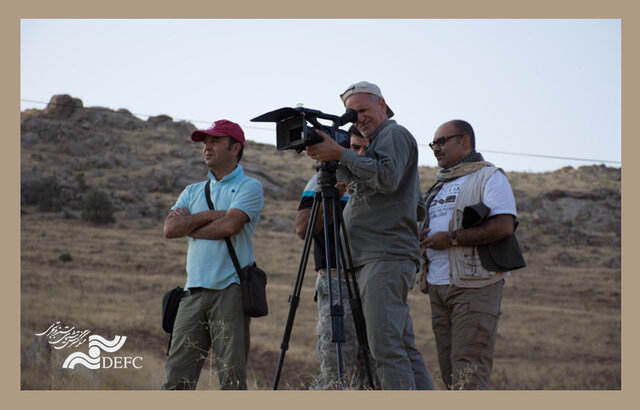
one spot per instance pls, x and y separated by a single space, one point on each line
328 195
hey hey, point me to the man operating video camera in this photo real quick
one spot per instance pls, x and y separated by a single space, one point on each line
355 368
381 217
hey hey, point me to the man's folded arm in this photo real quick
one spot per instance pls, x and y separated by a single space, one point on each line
180 222
228 225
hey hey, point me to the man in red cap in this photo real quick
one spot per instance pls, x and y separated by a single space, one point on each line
210 312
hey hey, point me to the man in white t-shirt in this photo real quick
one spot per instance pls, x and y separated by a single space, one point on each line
465 296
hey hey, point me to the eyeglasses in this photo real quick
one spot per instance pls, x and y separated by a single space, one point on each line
443 140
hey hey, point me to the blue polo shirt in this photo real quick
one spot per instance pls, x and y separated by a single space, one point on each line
208 262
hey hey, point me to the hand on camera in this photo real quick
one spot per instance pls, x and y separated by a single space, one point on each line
342 188
327 150
351 187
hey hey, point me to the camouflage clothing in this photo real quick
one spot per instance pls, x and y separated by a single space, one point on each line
354 368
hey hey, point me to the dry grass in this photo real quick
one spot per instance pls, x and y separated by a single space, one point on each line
114 284
560 327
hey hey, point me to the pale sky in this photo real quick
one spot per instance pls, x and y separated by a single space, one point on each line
535 87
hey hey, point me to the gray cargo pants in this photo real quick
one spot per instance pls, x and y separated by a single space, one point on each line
384 286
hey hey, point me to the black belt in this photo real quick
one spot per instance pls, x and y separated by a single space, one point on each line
193 291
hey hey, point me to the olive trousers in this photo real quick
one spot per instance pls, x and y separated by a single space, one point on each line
207 319
465 324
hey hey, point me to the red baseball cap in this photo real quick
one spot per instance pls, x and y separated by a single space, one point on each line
220 128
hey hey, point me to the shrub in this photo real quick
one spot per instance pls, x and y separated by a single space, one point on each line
44 192
97 208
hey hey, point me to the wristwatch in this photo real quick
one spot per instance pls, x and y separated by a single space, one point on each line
454 238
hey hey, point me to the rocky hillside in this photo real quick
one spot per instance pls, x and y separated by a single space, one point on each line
69 149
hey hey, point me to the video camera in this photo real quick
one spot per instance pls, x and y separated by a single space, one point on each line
293 132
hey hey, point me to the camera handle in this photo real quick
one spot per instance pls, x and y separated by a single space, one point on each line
328 196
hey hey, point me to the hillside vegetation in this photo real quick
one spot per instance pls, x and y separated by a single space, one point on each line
96 185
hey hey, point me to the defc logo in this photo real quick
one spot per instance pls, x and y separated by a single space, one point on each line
97 344
64 336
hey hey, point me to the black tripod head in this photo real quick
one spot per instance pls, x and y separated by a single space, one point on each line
327 174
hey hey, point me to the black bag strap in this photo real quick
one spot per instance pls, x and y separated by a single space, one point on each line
232 251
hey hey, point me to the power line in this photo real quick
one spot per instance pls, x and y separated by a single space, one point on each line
133 113
270 129
543 156
553 157
85 108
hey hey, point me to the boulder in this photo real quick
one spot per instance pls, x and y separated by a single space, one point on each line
598 209
62 106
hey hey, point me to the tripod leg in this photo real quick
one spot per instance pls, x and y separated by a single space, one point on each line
337 310
294 299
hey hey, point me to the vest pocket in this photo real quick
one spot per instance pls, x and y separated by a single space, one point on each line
471 266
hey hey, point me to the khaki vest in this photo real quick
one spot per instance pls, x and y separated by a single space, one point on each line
466 270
